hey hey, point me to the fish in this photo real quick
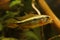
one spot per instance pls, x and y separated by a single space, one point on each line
33 22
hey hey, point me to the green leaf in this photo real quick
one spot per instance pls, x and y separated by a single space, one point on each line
31 36
15 2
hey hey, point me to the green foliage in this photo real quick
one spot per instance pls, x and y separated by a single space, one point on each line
12 14
1 27
13 3
31 36
15 8
8 38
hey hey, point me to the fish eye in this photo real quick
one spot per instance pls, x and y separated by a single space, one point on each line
47 17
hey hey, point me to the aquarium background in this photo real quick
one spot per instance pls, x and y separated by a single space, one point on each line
19 8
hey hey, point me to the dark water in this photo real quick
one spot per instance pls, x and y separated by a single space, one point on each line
54 6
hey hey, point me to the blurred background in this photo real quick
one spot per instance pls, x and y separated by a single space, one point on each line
19 8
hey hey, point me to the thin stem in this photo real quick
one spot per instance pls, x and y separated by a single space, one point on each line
33 5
